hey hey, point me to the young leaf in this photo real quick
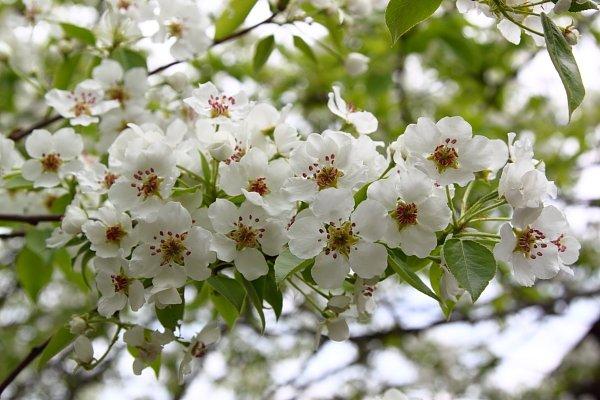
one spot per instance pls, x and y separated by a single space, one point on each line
229 288
402 15
264 48
304 48
80 33
232 17
256 299
61 339
404 271
562 57
271 293
128 58
33 272
287 264
170 316
472 264
225 309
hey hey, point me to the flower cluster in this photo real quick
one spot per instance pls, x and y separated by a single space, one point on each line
188 185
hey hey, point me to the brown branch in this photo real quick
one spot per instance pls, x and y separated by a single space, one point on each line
11 235
33 354
21 133
30 219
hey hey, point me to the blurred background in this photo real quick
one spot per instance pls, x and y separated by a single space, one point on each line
515 343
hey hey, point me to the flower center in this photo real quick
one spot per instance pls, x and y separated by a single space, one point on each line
175 28
259 185
83 103
171 248
341 239
120 282
445 156
148 183
109 180
118 93
405 214
219 105
529 242
238 152
244 235
123 4
198 349
51 162
558 243
115 233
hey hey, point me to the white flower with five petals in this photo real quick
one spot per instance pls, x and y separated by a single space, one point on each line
110 232
209 103
148 345
209 335
364 122
117 286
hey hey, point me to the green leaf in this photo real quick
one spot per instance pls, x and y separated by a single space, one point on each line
170 316
233 16
66 70
287 264
435 278
402 15
577 7
61 339
472 264
264 48
256 299
17 182
129 58
271 292
562 57
33 272
80 33
361 194
400 267
225 309
60 205
229 288
304 48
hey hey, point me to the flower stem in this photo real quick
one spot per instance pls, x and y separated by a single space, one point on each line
451 205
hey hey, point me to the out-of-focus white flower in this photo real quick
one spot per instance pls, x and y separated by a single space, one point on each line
356 64
74 219
363 121
9 157
209 335
126 87
148 345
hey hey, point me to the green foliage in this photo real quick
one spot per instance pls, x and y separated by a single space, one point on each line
61 339
305 48
256 298
232 17
402 15
129 58
82 34
171 315
264 48
34 265
472 264
397 261
562 57
288 264
229 288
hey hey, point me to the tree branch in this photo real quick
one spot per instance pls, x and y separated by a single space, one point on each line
22 132
33 354
11 235
30 219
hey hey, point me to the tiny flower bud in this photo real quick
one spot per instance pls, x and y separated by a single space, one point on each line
77 325
356 64
84 352
220 151
337 329
74 218
571 34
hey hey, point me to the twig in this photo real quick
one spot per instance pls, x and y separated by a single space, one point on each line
33 354
30 219
21 133
11 235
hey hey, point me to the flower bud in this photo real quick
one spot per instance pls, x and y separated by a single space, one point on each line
356 64
5 52
337 329
73 219
84 352
220 151
77 325
571 34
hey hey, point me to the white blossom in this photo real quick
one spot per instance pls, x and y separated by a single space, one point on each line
209 335
364 122
148 345
117 287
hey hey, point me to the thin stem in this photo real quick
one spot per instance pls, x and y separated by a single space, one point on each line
465 199
191 173
486 209
490 219
33 354
21 133
479 234
451 205
110 346
30 219
511 19
313 287
306 297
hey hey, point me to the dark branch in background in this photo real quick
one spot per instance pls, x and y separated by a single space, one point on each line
12 235
33 354
22 132
30 219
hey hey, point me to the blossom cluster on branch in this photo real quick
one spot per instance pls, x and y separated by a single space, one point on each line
188 185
